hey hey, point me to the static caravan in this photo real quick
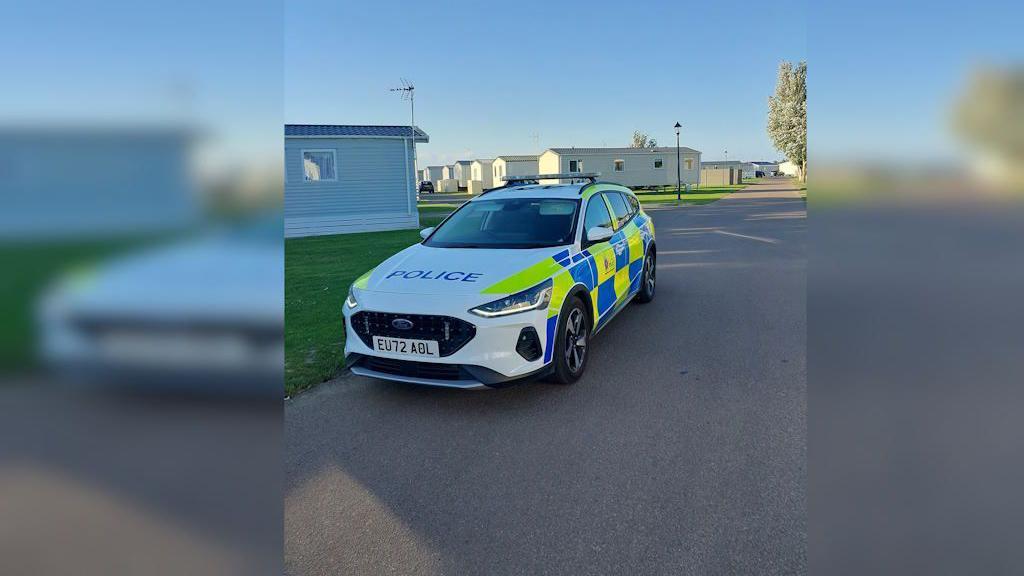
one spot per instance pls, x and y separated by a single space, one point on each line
448 172
514 165
789 168
433 173
769 168
114 180
722 165
483 170
462 172
346 178
625 166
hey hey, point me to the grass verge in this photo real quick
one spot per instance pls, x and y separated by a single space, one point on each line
318 271
666 195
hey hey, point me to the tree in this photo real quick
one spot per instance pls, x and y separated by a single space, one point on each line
787 115
988 116
641 140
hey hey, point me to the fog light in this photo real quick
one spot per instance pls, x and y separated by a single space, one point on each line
528 344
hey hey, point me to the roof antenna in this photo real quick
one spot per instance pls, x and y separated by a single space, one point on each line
408 92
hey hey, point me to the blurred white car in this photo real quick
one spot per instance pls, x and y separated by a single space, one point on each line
206 312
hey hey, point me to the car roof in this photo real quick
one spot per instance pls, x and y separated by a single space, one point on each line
545 190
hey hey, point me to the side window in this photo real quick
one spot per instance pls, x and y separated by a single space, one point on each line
634 204
597 215
620 165
619 207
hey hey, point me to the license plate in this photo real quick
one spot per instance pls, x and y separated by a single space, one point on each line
406 346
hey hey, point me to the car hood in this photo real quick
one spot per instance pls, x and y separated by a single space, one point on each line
205 278
423 269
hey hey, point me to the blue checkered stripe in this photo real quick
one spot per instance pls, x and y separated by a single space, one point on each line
583 268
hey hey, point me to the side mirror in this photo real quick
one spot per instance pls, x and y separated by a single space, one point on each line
599 234
426 232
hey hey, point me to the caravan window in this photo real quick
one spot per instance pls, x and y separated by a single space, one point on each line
318 165
620 165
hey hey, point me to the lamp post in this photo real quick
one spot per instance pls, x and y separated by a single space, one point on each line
679 174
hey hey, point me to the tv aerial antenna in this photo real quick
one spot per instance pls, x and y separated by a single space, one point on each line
408 92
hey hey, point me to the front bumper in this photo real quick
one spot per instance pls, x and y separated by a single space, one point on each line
489 358
462 376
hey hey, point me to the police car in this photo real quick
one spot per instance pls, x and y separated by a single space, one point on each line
512 285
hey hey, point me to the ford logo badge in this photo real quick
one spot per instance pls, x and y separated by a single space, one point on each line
401 324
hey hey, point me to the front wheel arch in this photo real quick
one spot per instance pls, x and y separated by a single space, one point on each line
562 373
580 291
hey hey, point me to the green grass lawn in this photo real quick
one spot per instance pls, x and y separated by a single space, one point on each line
667 195
433 209
318 271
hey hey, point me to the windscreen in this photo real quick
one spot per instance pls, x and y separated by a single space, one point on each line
509 223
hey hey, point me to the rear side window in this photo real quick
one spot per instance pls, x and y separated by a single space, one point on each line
597 215
634 204
622 212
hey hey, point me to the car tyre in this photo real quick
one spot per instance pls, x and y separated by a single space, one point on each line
647 280
572 343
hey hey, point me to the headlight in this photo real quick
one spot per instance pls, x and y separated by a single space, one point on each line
536 298
351 301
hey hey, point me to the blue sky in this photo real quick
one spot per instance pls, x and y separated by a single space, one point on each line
519 77
884 76
212 65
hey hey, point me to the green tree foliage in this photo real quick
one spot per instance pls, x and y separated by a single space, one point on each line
641 140
787 114
988 116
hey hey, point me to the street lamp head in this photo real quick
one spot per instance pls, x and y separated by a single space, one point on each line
677 127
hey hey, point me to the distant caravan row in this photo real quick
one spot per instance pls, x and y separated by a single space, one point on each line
633 167
360 178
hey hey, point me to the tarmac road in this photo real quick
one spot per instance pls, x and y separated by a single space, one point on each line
681 451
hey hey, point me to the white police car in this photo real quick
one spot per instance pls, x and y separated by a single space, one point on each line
512 285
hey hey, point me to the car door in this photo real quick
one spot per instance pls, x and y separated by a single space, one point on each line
622 242
636 233
602 294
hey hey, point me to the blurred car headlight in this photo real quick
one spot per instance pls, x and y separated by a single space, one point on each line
536 298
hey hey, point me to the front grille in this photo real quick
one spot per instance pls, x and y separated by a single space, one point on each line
412 368
450 333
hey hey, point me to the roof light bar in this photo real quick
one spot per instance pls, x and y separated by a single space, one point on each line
589 176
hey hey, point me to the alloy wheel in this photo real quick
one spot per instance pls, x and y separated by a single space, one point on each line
575 340
649 264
